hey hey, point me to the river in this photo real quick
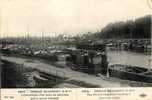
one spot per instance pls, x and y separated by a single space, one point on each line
129 58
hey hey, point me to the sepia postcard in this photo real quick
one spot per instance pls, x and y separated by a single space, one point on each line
76 49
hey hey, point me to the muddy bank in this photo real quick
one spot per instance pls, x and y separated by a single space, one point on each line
18 76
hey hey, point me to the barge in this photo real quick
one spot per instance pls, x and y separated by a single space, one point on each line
128 72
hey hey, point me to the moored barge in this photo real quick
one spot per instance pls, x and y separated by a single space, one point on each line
128 72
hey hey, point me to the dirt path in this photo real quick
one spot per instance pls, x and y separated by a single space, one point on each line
65 72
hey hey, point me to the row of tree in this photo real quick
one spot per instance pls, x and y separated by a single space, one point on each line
138 28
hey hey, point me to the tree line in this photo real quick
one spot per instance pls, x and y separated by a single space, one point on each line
132 29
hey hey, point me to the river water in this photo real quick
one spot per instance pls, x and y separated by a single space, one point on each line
129 58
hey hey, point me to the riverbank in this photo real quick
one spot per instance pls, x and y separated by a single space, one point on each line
71 78
19 76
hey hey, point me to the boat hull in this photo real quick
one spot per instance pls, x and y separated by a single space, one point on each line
133 76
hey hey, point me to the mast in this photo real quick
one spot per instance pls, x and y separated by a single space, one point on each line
27 32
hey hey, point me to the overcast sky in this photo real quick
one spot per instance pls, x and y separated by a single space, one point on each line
65 16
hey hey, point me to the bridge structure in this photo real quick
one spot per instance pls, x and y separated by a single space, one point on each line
126 40
145 44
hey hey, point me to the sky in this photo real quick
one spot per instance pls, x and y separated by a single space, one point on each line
53 17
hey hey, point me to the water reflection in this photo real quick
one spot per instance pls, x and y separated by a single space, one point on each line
129 58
